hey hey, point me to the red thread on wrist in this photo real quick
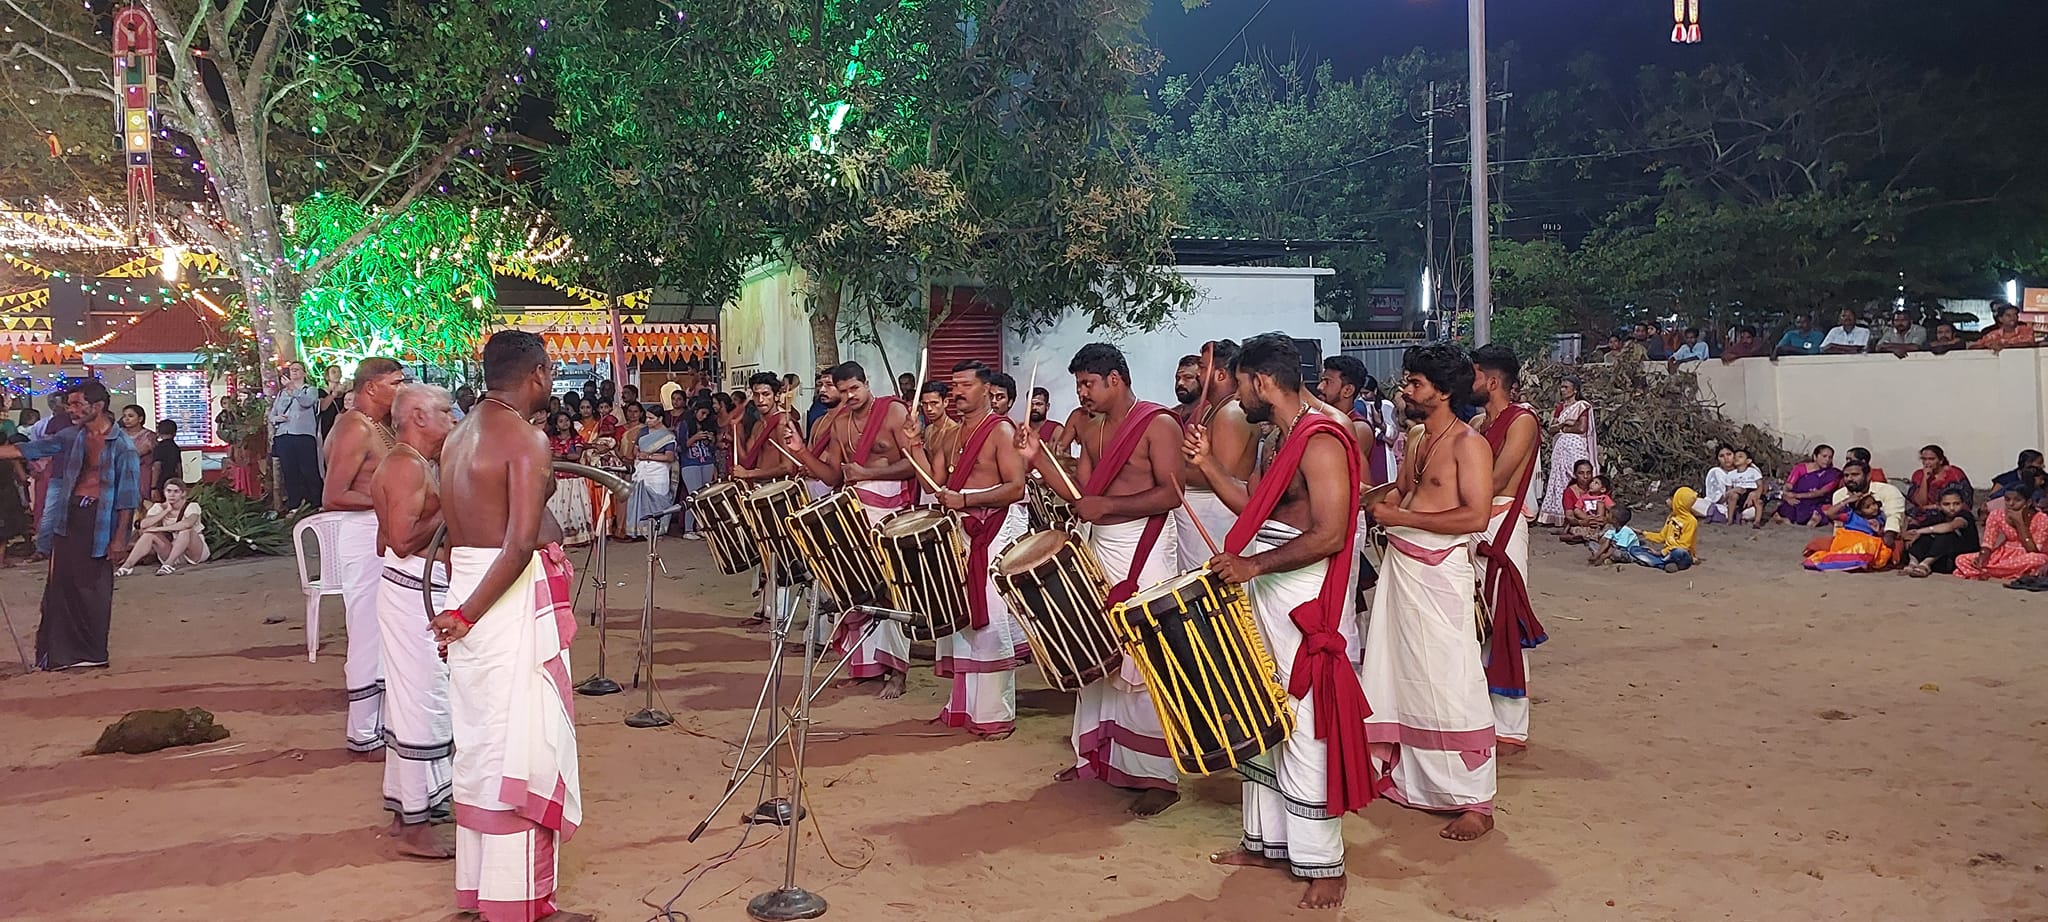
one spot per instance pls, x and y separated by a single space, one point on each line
456 613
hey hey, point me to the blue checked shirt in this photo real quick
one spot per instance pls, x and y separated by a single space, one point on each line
120 483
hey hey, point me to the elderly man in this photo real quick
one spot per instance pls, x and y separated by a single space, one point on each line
1850 338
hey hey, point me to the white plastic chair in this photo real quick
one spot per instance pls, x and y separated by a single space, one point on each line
326 529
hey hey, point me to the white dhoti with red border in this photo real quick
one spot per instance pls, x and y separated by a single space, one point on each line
1510 715
517 792
885 649
983 663
362 571
1431 729
1117 735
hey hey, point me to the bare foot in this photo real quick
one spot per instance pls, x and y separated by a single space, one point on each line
1323 893
892 686
1507 748
851 681
1067 774
1468 826
998 735
1155 802
1241 858
563 915
758 626
424 840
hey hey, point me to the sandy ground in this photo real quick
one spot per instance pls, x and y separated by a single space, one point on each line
1745 741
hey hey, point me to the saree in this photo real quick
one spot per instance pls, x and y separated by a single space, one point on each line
1804 479
653 491
2004 555
1567 449
1857 545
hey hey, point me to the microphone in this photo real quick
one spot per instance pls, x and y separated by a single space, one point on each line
890 614
665 513
619 488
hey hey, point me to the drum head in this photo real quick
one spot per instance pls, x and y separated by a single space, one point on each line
910 522
1026 553
717 489
768 491
1165 595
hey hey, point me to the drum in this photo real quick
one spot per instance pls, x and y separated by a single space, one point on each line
924 563
1054 588
769 507
1208 669
723 521
1049 510
838 545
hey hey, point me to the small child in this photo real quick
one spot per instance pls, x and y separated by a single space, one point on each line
1616 543
1585 513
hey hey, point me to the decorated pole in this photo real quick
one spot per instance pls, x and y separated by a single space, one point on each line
1685 21
135 73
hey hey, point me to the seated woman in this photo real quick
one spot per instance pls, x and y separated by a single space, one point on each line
1923 499
1584 516
2013 543
1934 548
1858 543
170 531
1714 487
1808 487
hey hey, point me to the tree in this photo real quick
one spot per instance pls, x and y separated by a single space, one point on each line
384 104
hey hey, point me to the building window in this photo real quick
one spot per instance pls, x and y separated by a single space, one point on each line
186 397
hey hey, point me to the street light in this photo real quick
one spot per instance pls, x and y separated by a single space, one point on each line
1482 251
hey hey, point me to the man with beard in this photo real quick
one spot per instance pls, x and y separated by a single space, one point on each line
1129 485
420 741
518 794
1343 378
1187 388
1292 550
759 461
1231 439
1431 728
984 482
864 453
1041 407
355 447
1503 552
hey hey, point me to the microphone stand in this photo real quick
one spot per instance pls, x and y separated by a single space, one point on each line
649 716
600 616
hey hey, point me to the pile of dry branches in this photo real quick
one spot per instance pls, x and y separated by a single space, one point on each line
1655 432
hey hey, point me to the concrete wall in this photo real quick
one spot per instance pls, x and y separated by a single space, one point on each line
1982 408
767 328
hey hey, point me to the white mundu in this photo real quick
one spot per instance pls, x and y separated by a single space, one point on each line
419 739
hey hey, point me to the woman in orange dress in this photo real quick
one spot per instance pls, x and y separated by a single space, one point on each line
2014 543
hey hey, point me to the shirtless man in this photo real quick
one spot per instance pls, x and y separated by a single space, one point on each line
758 461
1431 730
983 480
1036 417
1129 485
864 453
934 412
355 446
1187 387
1344 377
517 793
1231 439
405 491
1291 549
1513 433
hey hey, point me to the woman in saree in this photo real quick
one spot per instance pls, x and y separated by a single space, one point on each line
570 503
1808 488
1936 475
2014 544
652 449
1858 543
1575 438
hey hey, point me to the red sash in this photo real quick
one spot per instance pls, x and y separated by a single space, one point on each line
760 443
821 436
981 522
1115 454
1047 429
1506 590
864 447
1320 664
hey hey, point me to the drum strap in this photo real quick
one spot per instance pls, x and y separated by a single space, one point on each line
1116 453
1321 665
981 523
1506 590
760 442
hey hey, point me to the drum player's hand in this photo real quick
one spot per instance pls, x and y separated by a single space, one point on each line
448 629
1091 509
1233 569
1028 444
908 436
1196 443
952 499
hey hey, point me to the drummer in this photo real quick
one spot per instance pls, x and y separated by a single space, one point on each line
1129 486
1292 550
755 462
864 453
1231 436
983 480
1342 380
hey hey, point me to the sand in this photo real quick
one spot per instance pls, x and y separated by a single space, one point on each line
1744 741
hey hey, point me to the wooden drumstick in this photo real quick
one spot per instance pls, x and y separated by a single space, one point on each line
923 476
1204 529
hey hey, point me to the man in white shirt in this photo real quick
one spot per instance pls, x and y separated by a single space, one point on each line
1856 482
1849 338
1694 349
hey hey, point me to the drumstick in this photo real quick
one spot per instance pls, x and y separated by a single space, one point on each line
1204 529
923 476
1202 402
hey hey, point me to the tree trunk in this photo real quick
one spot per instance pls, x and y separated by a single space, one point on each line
825 325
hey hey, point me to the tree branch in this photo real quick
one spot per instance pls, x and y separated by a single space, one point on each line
71 85
97 48
428 174
260 63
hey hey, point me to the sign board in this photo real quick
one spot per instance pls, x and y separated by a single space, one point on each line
2033 307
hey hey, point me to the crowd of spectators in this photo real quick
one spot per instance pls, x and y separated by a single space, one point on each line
1901 335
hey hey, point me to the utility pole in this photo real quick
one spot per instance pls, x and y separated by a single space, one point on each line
1429 303
1482 279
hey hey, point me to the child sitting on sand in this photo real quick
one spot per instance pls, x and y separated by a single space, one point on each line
1614 543
1585 511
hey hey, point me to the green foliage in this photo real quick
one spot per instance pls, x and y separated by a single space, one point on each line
1530 330
237 526
418 288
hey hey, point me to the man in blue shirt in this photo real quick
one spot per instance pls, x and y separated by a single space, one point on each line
94 487
295 438
1802 339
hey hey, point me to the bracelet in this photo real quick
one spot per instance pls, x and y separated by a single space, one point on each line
456 613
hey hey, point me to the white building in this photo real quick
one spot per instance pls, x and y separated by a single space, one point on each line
768 328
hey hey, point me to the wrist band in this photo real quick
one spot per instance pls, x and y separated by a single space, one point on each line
456 613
